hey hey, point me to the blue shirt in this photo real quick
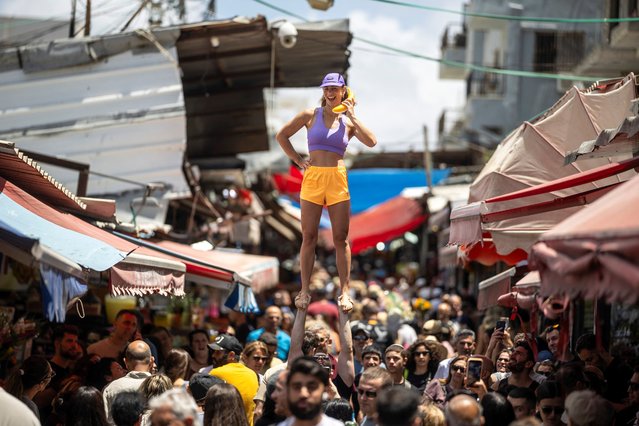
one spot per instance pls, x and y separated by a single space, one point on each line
283 341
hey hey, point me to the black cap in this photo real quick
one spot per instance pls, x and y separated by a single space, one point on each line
200 383
359 327
225 342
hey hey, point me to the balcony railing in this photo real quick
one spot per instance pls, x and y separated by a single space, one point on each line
454 36
485 84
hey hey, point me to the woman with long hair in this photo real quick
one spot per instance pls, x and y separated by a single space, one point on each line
223 406
201 353
176 366
255 355
437 390
31 378
86 408
329 128
423 359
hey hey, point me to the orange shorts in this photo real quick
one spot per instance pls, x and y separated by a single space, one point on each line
325 185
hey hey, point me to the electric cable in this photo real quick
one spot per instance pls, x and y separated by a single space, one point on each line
455 64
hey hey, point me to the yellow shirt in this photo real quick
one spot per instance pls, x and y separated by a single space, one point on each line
244 379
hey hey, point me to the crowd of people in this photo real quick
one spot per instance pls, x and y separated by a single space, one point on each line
394 359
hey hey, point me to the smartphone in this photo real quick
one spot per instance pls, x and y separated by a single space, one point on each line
473 371
501 324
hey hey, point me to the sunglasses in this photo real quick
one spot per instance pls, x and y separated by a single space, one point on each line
259 358
424 353
633 386
360 338
369 394
548 409
458 368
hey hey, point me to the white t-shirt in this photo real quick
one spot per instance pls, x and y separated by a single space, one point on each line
14 413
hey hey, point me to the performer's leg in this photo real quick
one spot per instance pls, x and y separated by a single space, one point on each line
311 214
340 220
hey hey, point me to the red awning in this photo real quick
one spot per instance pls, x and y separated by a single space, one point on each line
486 254
381 223
515 224
261 271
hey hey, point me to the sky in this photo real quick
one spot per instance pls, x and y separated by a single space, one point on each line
396 95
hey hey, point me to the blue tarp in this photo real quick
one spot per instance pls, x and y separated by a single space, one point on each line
242 299
86 251
374 186
370 187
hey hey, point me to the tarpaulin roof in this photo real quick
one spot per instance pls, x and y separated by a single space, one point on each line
595 252
29 219
381 223
36 231
533 154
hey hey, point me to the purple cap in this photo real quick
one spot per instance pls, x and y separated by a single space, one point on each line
333 79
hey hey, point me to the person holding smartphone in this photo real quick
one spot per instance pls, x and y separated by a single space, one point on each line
521 363
325 181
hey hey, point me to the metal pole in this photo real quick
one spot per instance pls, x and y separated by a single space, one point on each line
427 159
87 19
72 23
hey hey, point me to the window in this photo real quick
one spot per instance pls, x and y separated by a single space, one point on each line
556 52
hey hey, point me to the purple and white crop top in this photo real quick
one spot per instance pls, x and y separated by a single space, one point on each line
322 139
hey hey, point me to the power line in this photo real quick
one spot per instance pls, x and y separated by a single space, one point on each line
455 64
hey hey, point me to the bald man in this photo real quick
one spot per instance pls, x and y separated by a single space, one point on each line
272 322
140 363
463 410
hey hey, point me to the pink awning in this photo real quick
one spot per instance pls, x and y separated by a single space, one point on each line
594 253
493 287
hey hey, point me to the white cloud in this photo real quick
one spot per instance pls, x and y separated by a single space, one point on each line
399 94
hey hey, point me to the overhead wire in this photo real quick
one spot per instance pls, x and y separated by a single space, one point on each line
455 64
